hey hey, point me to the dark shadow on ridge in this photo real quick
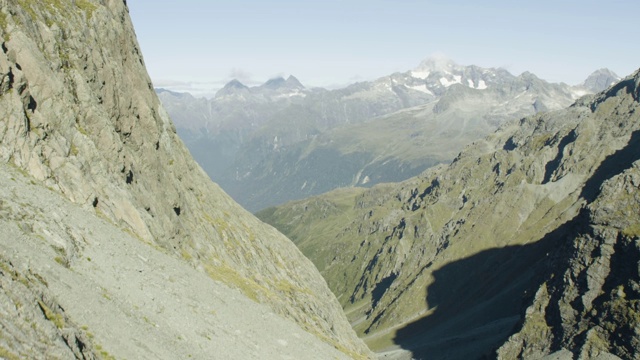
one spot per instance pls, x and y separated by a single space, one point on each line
612 165
552 165
479 301
382 288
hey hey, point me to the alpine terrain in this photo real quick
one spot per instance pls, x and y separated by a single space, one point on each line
526 246
114 243
280 141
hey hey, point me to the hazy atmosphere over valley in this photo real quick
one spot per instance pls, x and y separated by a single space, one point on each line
331 180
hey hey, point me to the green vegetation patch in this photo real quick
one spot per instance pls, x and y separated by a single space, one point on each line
596 341
621 312
228 275
6 354
54 11
55 318
3 25
536 328
632 231
3 20
103 353
86 6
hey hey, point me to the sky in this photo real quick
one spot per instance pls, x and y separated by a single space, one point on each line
198 46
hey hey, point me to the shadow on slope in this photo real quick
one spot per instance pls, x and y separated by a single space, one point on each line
612 165
479 300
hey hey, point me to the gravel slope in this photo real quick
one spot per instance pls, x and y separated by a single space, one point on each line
132 299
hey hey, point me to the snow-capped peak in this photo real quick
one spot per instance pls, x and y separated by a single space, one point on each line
232 87
437 63
279 83
434 64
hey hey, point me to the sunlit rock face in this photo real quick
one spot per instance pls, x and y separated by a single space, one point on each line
79 118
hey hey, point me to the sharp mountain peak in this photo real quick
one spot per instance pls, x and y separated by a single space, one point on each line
600 80
276 83
437 63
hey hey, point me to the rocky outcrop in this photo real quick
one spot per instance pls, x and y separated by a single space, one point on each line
445 264
80 116
33 324
589 302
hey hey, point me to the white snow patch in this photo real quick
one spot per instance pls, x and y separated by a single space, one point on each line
421 88
578 93
420 74
390 88
470 83
291 94
482 85
457 79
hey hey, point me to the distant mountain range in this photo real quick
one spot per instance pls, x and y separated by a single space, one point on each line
525 246
281 141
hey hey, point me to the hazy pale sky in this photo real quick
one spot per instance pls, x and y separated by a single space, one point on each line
199 45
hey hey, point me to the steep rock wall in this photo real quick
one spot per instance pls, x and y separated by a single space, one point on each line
79 115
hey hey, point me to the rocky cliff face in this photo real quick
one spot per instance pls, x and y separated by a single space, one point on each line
600 80
589 303
541 215
79 115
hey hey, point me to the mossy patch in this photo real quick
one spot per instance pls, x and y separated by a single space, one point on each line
82 130
57 11
186 255
87 7
55 318
595 342
621 312
536 328
8 355
103 354
60 260
228 275
632 231
3 25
